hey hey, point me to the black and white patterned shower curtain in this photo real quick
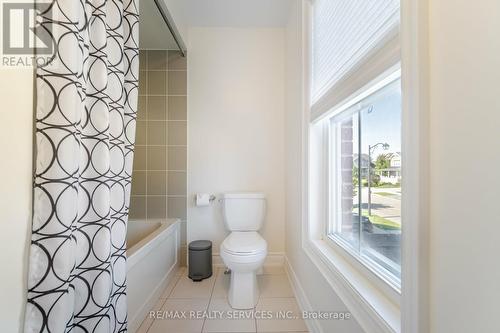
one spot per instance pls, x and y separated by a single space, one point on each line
85 131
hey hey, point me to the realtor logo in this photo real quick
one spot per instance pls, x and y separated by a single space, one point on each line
26 41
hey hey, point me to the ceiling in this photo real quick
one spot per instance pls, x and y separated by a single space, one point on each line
154 33
237 13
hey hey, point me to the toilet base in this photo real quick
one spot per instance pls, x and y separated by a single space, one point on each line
243 290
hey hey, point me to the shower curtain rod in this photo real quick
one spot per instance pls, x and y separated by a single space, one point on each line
175 33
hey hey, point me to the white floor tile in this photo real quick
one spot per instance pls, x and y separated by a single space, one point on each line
146 323
221 287
186 288
181 307
225 320
274 270
293 323
274 286
271 284
182 294
181 271
168 290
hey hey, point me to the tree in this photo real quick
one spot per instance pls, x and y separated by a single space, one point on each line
355 176
382 162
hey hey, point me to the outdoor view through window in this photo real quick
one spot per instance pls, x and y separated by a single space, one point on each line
366 180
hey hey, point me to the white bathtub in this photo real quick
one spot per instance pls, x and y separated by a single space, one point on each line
152 261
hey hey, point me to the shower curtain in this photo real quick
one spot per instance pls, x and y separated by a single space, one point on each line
85 130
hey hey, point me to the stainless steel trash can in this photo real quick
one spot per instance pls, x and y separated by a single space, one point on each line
200 260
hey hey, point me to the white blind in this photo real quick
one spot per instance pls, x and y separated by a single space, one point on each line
344 33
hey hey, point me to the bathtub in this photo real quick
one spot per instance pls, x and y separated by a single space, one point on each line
152 261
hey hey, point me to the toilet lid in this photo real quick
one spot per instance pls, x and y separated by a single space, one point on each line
245 243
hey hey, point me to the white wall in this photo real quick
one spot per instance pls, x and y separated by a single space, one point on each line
236 125
319 293
16 135
177 11
464 165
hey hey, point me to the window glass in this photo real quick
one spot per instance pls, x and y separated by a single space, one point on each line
366 179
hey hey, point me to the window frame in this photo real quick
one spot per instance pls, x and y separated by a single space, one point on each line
373 288
373 311
368 266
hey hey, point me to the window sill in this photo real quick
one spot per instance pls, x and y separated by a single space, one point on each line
372 308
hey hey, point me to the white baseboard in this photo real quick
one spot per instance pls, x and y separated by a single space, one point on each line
312 324
272 259
135 323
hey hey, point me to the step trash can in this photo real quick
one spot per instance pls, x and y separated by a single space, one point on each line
200 260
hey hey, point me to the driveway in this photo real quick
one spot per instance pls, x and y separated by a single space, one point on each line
386 202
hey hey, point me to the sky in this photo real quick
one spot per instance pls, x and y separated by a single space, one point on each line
383 123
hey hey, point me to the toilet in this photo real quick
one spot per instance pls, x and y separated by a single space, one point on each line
244 250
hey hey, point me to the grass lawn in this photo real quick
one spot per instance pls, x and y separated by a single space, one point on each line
381 222
387 194
388 185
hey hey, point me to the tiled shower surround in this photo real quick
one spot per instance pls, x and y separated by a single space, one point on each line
159 176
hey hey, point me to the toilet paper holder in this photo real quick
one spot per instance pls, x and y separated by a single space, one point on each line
200 199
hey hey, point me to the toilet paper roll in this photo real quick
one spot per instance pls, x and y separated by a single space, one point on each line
202 199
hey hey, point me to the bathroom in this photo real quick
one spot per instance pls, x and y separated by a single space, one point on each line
194 166
191 141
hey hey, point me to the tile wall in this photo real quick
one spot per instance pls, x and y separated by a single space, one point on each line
160 160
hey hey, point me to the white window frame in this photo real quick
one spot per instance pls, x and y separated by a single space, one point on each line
376 274
366 298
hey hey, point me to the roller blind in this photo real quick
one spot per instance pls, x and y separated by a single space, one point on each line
344 34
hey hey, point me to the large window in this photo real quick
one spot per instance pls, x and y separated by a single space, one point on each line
355 164
365 180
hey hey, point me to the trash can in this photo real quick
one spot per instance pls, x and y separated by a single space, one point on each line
200 260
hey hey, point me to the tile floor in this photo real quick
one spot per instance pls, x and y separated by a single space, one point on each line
210 298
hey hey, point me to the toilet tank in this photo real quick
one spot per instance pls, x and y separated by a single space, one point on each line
244 211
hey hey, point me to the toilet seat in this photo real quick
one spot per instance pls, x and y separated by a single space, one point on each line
244 243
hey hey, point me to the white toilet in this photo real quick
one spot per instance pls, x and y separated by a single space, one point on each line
244 250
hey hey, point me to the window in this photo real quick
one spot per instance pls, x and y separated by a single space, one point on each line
354 191
365 181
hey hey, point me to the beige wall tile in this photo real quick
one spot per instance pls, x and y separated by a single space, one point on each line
157 183
139 158
183 232
157 207
176 60
177 158
150 186
140 132
177 83
177 108
177 207
157 107
142 110
157 83
139 183
157 60
183 256
177 133
143 54
137 208
177 183
157 158
143 83
157 133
